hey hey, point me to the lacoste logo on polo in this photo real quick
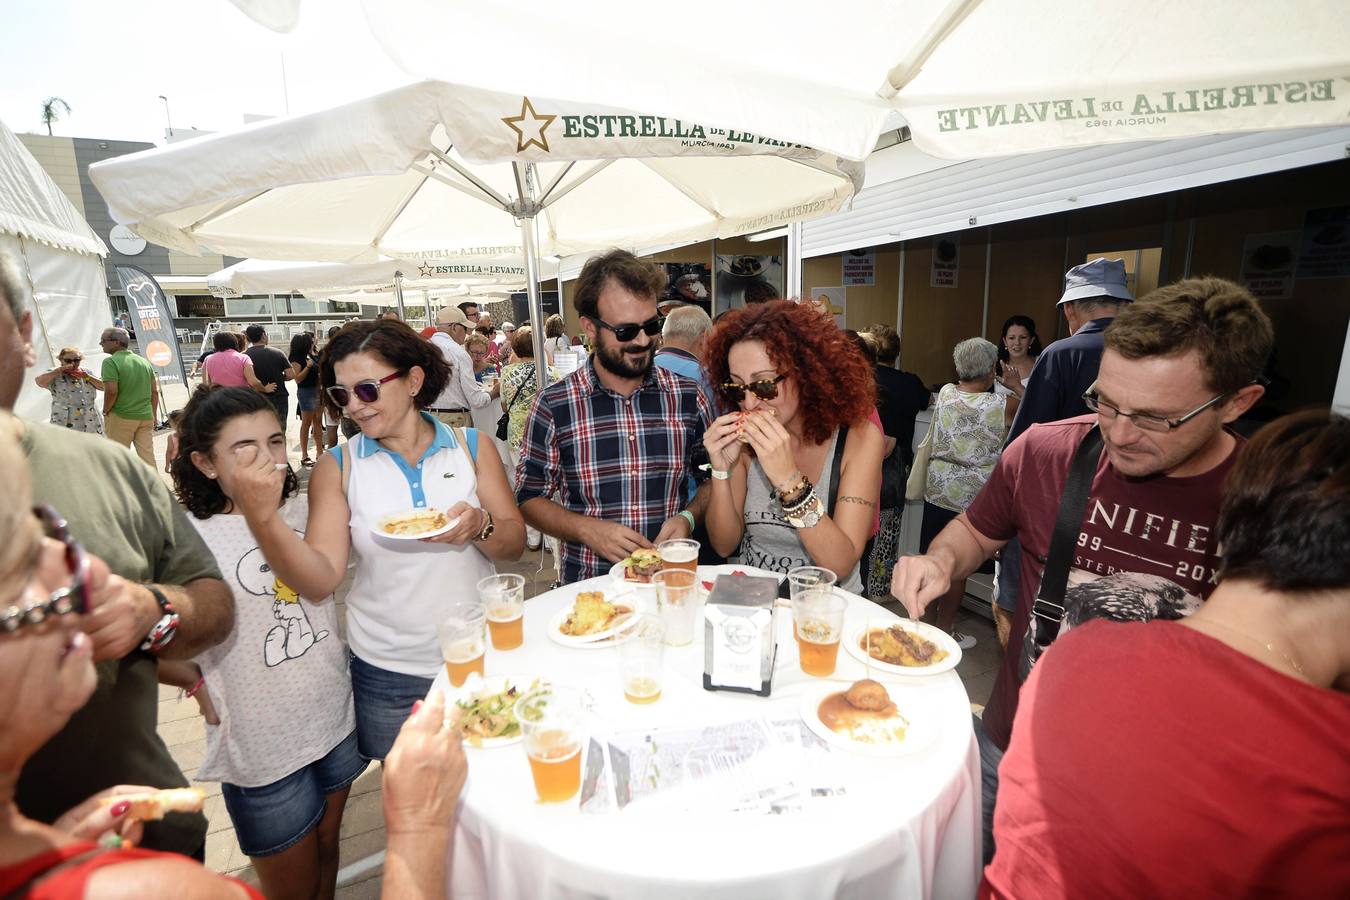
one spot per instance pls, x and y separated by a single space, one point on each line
529 127
448 475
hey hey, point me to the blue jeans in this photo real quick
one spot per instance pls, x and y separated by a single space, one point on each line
383 701
274 817
990 757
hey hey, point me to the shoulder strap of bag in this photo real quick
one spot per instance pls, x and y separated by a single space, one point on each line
347 457
522 387
463 438
834 469
1049 605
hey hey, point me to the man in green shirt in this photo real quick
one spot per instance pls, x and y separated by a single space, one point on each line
130 396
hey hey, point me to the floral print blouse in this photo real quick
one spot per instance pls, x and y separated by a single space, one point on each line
75 404
968 432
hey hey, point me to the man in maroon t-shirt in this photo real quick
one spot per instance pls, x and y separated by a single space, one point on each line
1178 367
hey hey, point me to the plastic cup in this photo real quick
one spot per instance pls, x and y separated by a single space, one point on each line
679 554
503 599
550 723
641 656
818 625
805 578
463 638
678 602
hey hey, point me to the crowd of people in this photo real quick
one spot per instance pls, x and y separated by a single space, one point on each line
1102 473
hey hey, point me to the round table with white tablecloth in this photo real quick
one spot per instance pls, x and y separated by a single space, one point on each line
888 826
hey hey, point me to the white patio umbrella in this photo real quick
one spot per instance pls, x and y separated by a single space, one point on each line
327 279
442 172
971 78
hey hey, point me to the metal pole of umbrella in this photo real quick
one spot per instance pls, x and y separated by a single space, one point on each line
792 280
525 186
398 295
272 299
426 306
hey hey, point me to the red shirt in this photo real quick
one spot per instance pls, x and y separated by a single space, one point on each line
1150 760
1150 536
71 881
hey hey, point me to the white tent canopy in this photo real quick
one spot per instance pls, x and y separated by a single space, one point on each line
260 276
970 77
61 257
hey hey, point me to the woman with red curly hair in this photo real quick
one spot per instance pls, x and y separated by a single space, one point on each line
799 388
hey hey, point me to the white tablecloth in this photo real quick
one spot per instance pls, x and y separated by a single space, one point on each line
906 826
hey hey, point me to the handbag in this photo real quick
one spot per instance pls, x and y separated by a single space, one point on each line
1047 611
917 483
504 421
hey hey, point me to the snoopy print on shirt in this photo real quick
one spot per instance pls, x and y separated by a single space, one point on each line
293 635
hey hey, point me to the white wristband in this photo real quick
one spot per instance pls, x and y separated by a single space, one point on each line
720 474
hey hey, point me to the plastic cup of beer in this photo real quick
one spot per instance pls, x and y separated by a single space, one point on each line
550 723
463 639
503 599
679 554
642 652
817 618
678 603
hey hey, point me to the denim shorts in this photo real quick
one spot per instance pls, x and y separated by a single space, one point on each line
384 701
275 817
307 398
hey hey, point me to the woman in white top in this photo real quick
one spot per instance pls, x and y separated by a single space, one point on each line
382 375
282 741
1016 356
555 337
969 425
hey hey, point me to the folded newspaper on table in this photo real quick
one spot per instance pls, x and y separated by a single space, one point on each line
759 765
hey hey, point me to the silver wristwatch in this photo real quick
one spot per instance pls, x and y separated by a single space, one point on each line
808 517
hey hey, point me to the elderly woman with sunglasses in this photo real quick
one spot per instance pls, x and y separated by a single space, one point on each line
74 393
796 467
383 376
46 586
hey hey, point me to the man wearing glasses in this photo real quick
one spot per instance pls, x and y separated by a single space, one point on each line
463 392
614 440
166 600
1178 367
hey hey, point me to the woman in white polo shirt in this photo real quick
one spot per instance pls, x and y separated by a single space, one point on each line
382 375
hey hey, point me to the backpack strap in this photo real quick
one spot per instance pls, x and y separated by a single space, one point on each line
834 469
1048 608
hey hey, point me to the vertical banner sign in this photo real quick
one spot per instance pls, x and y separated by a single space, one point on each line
860 267
153 323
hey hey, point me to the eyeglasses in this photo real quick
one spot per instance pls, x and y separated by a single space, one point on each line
1143 421
628 331
74 598
764 390
367 391
69 360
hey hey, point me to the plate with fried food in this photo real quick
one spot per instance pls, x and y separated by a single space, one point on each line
487 708
638 569
905 647
593 621
870 718
414 524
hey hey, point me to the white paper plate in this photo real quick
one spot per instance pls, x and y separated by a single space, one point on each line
378 529
475 685
853 646
601 639
910 702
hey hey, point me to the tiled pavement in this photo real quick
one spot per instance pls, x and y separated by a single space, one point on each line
362 835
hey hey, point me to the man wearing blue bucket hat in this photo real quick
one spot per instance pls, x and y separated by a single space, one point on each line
1093 293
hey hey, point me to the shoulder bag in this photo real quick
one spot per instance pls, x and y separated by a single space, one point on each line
504 420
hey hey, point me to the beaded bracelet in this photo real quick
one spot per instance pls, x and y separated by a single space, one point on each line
793 508
795 490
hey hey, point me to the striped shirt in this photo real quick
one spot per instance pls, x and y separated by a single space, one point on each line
622 459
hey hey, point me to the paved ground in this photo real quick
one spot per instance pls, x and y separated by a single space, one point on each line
363 836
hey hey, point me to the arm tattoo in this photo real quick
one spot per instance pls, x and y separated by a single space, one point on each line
859 500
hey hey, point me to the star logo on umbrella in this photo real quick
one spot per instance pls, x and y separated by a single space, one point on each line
529 127
425 270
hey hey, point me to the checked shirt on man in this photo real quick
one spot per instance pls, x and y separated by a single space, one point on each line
622 459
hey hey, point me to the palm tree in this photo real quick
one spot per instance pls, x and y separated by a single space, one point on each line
49 113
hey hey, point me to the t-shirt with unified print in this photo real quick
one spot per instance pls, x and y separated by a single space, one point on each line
279 681
1144 549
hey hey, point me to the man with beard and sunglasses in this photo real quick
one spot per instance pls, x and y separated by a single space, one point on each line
615 440
165 600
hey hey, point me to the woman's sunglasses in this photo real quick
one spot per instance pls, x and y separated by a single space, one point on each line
71 599
366 391
764 390
69 360
628 331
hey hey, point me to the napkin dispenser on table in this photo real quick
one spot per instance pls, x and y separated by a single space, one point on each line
738 634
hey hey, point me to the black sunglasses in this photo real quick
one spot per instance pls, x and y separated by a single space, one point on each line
628 331
366 391
73 598
764 390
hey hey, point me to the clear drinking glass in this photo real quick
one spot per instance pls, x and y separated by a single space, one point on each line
679 554
641 655
817 618
550 723
678 603
463 638
503 599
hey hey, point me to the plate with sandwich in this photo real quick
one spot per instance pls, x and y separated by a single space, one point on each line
414 524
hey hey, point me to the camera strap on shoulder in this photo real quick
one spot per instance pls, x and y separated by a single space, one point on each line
1048 608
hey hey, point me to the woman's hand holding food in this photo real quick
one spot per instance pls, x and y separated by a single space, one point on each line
722 441
772 445
95 817
471 520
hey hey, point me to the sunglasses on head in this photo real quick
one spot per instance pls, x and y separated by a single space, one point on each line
629 330
367 391
766 389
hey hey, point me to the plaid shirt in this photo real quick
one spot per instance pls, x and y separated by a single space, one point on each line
623 459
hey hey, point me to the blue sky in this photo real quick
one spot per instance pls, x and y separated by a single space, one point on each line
111 61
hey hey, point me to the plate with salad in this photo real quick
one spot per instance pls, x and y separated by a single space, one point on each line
486 708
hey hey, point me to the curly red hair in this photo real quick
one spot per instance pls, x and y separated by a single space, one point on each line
834 381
